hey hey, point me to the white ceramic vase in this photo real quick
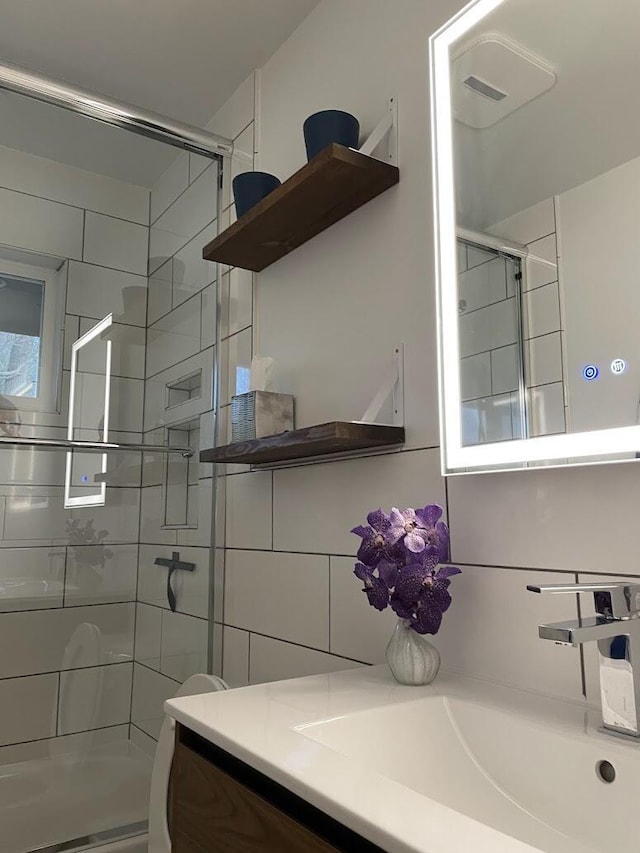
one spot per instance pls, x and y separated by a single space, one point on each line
412 659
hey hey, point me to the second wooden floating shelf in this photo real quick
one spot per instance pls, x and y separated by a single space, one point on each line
334 184
314 441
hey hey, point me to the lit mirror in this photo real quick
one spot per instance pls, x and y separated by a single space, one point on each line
85 480
537 180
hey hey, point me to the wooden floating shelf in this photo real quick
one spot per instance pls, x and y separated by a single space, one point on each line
336 182
334 437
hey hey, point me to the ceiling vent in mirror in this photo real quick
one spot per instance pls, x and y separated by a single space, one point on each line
492 77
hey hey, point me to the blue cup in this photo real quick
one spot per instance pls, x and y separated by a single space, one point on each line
251 187
323 128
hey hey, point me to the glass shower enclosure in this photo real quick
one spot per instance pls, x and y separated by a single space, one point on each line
107 361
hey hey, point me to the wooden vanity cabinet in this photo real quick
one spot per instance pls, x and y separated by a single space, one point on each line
218 804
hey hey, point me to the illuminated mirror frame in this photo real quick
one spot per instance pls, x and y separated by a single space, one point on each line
552 450
98 498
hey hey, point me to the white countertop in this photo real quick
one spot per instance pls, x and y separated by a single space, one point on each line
258 724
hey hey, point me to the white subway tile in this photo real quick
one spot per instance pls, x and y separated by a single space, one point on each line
174 338
186 217
170 184
237 301
316 506
127 404
358 630
36 514
489 328
484 284
127 352
235 662
273 660
71 334
199 515
477 256
148 635
491 631
66 638
541 311
191 273
249 511
28 708
546 409
100 574
546 519
94 698
197 165
40 176
142 741
184 645
94 291
282 595
152 518
475 376
543 360
150 691
541 265
208 317
115 243
160 284
31 578
27 222
48 747
505 369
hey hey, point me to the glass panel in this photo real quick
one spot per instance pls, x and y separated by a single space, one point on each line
21 314
81 706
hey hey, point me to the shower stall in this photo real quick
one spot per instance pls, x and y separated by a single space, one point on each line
107 367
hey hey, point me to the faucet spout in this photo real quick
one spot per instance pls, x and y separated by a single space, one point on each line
575 632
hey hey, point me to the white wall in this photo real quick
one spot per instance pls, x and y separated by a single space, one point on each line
330 313
80 564
599 261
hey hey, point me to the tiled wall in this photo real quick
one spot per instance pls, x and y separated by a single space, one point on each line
185 304
490 333
68 577
543 317
330 313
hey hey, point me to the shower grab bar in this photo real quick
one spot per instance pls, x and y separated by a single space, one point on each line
90 446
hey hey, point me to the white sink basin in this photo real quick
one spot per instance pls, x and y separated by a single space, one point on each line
529 772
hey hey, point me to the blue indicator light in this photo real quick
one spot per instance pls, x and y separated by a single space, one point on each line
85 479
590 372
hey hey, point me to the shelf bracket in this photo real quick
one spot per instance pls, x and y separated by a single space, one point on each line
387 128
392 384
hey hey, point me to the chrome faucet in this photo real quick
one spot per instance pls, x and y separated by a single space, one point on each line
616 629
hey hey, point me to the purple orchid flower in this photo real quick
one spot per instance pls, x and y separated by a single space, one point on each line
434 531
405 525
376 589
376 545
400 564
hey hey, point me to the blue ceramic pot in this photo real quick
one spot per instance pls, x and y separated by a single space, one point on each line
323 128
251 187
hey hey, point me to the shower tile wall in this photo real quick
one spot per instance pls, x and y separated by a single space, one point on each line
68 577
489 343
184 301
542 316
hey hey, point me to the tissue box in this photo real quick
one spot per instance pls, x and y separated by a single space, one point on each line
260 413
